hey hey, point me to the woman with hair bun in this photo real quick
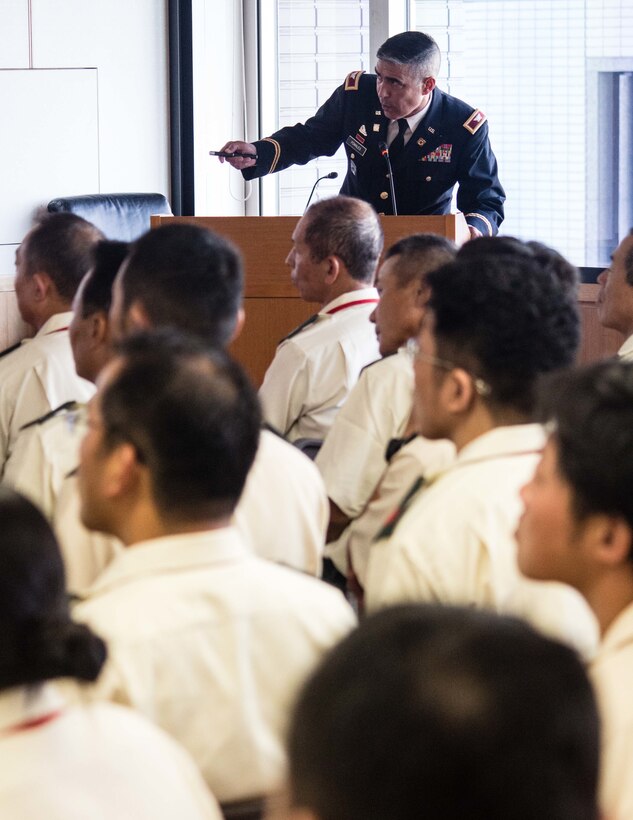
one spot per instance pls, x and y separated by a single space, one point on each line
63 761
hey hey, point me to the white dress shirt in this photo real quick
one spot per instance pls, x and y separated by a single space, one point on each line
91 762
612 675
37 377
213 644
313 372
455 542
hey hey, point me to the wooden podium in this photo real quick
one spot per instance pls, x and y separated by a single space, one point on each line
272 305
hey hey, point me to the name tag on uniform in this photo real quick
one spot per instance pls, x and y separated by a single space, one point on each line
355 144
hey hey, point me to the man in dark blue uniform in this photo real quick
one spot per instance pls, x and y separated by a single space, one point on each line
435 141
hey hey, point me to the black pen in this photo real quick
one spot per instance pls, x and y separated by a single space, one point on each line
229 154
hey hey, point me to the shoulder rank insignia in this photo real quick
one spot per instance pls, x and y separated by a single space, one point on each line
10 349
352 80
67 405
475 121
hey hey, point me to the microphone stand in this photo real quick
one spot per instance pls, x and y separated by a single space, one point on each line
331 175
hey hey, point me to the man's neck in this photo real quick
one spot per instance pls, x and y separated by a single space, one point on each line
481 421
150 525
39 319
608 594
349 286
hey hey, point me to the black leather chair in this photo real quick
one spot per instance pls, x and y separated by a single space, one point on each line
120 216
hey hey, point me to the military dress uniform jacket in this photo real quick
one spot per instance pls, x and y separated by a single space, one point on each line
450 146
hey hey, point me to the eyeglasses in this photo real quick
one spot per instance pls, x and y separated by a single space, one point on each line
415 354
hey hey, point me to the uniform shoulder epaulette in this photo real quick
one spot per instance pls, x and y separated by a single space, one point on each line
10 349
376 361
475 121
352 80
67 405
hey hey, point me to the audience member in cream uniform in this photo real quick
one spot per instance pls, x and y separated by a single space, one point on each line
577 528
61 760
336 245
495 323
205 639
38 375
378 409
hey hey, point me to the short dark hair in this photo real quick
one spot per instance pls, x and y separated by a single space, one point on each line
107 258
39 640
592 410
61 245
419 254
193 417
547 257
412 48
348 228
506 318
186 277
446 713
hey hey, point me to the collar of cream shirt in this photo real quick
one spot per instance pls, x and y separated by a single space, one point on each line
172 553
350 296
58 321
626 351
513 440
618 635
26 703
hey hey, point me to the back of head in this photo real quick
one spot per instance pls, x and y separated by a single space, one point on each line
412 48
507 318
446 713
107 258
39 641
199 432
348 228
592 411
187 278
418 254
61 245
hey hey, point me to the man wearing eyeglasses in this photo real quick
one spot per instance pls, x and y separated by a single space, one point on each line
435 141
495 323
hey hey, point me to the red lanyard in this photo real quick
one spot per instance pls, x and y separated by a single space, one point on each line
32 724
352 304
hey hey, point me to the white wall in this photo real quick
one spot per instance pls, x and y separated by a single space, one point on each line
87 111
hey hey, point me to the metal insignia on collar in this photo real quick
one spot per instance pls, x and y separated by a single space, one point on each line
431 130
377 113
376 127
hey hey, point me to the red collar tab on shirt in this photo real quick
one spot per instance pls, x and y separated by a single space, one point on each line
57 330
352 304
32 724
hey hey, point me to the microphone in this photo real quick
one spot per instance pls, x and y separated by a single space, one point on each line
384 152
331 175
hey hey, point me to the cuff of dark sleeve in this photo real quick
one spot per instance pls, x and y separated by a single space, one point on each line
268 153
482 223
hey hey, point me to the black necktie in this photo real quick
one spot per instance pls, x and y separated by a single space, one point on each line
395 149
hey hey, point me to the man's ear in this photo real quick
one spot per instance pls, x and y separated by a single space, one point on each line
611 539
98 328
428 85
334 269
137 318
459 391
239 324
122 471
42 286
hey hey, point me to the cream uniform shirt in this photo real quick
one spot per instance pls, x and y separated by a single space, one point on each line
352 457
455 542
612 676
37 377
213 644
314 369
94 762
